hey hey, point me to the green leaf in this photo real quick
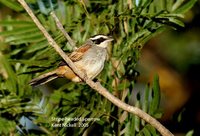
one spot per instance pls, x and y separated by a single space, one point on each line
146 101
20 39
176 21
123 85
16 23
12 4
144 132
11 83
190 133
137 119
147 3
36 47
132 126
157 31
152 130
154 105
187 6
6 126
21 30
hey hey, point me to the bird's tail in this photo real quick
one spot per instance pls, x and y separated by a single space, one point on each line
44 78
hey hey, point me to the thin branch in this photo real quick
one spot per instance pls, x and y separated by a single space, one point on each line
61 28
97 86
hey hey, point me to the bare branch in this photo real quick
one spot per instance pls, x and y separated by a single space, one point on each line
97 86
61 28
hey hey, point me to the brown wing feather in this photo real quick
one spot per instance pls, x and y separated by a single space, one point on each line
78 53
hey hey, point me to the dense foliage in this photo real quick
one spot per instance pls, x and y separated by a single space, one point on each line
24 54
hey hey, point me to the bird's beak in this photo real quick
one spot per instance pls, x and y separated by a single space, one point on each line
110 38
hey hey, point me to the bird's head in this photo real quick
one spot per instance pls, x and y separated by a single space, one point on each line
101 40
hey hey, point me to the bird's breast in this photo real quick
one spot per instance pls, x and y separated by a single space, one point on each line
92 62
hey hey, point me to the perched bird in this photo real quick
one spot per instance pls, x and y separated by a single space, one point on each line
89 58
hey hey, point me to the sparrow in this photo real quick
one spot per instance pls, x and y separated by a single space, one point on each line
89 58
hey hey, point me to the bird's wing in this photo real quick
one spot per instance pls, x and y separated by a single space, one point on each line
78 53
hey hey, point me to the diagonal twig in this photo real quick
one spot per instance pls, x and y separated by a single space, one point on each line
61 28
97 86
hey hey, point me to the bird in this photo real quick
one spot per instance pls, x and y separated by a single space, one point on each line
88 58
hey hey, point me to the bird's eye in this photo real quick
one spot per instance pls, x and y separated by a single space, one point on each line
98 41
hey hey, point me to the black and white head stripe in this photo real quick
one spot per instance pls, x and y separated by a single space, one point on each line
97 39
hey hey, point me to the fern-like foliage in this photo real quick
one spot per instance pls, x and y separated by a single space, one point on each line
25 53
